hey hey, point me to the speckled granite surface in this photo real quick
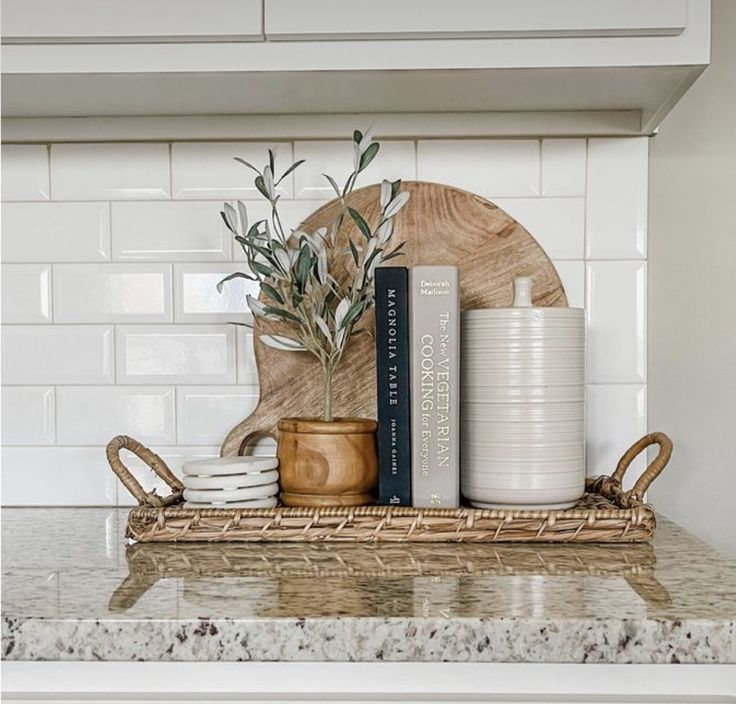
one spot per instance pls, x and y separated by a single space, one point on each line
72 590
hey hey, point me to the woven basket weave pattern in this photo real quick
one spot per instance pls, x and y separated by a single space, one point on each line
605 513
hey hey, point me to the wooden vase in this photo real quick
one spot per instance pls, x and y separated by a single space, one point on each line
327 463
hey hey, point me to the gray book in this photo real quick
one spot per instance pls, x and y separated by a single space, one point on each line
435 383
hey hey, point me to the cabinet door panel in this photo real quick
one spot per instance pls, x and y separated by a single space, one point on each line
417 19
91 21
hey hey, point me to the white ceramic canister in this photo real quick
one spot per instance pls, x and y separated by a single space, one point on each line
523 404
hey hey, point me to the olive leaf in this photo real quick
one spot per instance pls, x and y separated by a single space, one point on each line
236 275
281 342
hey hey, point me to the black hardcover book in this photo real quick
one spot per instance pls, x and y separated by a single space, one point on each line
393 379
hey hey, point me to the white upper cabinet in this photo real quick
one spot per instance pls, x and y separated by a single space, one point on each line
562 67
468 19
91 21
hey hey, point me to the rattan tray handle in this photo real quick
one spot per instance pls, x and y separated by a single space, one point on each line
654 468
123 442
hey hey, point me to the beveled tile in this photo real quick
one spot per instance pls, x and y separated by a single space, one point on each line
25 172
558 224
616 312
492 168
198 301
616 213
170 232
112 293
112 171
563 167
57 476
28 414
57 354
205 414
56 232
175 354
26 293
208 170
93 415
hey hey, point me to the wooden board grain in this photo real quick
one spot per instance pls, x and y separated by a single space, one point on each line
440 225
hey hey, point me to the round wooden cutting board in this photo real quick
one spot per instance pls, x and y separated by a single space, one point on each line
440 225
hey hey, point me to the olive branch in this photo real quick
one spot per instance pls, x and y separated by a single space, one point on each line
315 285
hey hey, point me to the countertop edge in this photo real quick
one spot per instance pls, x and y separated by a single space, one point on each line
373 639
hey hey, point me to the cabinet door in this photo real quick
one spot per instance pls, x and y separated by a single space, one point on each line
424 19
93 21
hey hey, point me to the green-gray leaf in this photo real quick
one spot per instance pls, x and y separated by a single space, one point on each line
360 222
294 166
368 155
303 265
236 275
261 186
283 314
261 268
353 251
272 293
334 185
230 227
245 163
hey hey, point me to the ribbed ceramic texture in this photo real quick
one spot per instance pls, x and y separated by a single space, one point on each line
523 407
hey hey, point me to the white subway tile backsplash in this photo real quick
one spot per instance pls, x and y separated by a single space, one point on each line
57 354
110 171
616 304
563 167
93 415
175 354
558 224
572 275
28 415
394 160
208 169
205 414
197 298
246 357
142 345
169 232
25 172
491 168
57 476
26 293
616 418
114 293
56 232
617 198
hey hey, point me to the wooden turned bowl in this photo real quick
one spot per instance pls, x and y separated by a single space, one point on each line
328 463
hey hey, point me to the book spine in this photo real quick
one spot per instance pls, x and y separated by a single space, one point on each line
435 380
392 375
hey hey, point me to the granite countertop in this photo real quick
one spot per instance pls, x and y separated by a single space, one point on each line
73 590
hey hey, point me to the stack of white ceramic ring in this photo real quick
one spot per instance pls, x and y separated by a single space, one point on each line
231 482
523 404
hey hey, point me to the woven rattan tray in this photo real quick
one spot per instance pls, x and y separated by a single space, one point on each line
606 513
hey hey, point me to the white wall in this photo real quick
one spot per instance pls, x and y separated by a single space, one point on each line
692 304
112 325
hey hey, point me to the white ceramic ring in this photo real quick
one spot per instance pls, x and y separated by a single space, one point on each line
231 481
219 466
254 503
219 496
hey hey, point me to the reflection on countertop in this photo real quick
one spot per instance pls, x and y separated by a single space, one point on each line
72 589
